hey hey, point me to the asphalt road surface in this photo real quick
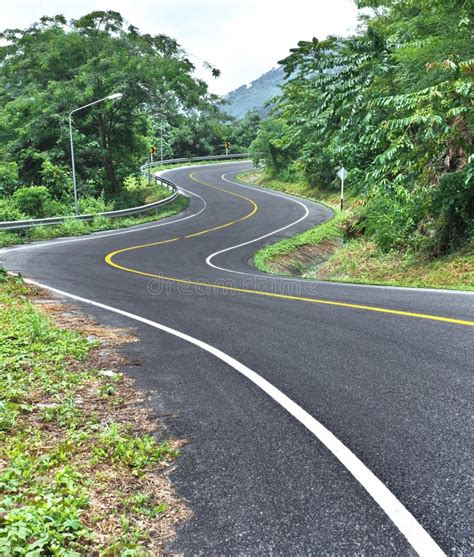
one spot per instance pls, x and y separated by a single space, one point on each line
323 418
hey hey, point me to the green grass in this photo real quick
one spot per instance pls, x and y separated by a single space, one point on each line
72 227
359 260
327 231
60 448
300 189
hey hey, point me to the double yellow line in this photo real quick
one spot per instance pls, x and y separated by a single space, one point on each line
109 260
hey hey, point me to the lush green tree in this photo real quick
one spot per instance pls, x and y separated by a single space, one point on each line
9 178
200 133
56 66
393 103
242 132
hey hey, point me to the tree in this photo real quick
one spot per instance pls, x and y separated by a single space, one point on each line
393 103
55 66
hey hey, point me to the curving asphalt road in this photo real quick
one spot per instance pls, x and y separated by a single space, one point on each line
382 377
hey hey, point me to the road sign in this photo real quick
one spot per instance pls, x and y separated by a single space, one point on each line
153 150
342 173
226 145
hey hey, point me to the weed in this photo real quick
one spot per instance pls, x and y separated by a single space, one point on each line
52 444
136 452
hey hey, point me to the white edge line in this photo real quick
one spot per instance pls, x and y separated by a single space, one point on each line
414 533
136 228
98 235
210 257
310 281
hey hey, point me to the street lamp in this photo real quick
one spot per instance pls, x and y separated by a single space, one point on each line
110 97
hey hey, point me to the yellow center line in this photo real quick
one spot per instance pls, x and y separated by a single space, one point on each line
142 246
247 216
109 260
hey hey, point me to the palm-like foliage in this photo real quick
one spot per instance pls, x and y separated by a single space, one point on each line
393 103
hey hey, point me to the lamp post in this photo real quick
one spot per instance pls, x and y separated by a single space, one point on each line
110 97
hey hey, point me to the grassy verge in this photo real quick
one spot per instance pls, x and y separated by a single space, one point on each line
359 261
81 469
292 255
324 254
73 227
331 199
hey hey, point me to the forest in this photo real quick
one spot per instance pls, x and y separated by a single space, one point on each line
393 104
255 96
57 65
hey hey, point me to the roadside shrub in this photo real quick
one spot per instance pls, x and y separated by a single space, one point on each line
392 217
9 211
72 227
56 208
57 179
92 205
134 182
9 178
129 198
8 239
318 168
39 233
271 146
33 201
453 208
101 223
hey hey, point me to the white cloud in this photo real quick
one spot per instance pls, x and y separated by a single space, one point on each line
243 38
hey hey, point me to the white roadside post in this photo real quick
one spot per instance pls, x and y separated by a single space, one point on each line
110 97
342 173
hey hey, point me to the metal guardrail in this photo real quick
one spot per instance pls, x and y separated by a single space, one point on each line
21 224
195 159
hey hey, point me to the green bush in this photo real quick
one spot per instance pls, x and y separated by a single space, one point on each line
392 217
453 205
56 208
9 211
318 167
72 227
8 239
39 233
134 182
92 205
9 178
101 223
57 179
33 201
127 199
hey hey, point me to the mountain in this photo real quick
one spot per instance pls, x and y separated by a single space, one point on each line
254 96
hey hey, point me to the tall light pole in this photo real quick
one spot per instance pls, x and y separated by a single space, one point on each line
111 97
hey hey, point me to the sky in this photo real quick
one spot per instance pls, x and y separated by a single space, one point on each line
243 38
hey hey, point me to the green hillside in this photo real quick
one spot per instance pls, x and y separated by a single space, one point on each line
254 96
